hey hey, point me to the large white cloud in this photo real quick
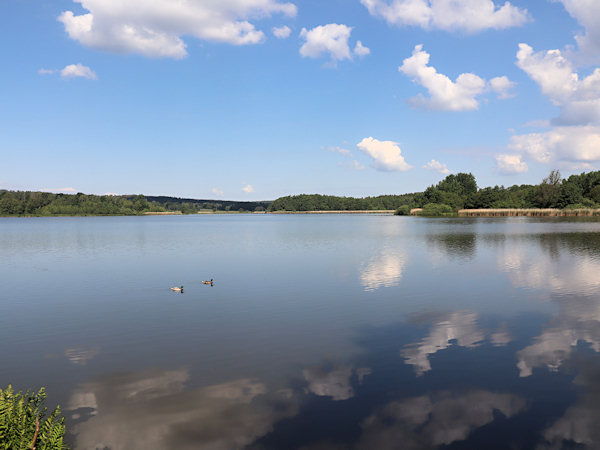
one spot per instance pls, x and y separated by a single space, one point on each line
450 15
445 94
587 13
386 155
154 27
579 99
510 164
569 147
330 40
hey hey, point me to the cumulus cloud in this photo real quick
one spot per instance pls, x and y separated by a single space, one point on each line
361 50
587 13
510 164
445 94
248 189
154 27
282 32
67 190
386 155
579 99
470 16
216 191
330 39
437 166
78 70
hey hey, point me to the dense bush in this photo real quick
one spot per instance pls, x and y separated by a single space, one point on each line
437 209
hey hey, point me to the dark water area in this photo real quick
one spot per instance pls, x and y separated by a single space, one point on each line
320 332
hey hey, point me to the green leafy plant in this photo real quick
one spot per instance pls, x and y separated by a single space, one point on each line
24 425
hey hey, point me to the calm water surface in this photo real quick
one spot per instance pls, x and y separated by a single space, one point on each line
341 332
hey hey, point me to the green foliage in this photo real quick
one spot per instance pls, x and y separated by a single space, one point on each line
18 412
437 209
404 210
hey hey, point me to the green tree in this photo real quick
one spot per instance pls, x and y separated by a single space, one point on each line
547 194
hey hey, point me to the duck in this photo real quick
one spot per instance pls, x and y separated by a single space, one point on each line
177 289
208 282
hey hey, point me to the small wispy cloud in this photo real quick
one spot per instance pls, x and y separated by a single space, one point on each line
248 189
340 150
217 192
47 71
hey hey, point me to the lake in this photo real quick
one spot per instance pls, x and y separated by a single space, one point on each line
320 331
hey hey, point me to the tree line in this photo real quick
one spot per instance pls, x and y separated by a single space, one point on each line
461 191
28 203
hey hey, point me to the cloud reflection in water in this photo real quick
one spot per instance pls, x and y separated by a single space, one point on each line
431 420
383 270
459 326
150 410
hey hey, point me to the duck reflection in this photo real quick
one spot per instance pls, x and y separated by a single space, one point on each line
459 327
383 270
151 410
436 419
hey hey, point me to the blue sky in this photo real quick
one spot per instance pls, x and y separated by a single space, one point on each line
255 99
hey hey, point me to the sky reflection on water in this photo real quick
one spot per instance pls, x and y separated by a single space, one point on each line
320 332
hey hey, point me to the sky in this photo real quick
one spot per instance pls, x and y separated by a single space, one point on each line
256 99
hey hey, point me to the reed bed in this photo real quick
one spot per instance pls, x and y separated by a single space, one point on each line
529 212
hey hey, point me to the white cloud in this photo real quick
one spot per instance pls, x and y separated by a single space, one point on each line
78 70
450 15
217 192
579 99
502 86
587 13
111 194
571 147
510 164
154 27
361 50
386 155
282 32
445 94
248 189
330 39
47 71
437 166
356 165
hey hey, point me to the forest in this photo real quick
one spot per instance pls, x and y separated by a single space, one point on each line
460 191
456 191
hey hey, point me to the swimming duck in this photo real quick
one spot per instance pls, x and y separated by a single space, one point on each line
208 282
177 289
